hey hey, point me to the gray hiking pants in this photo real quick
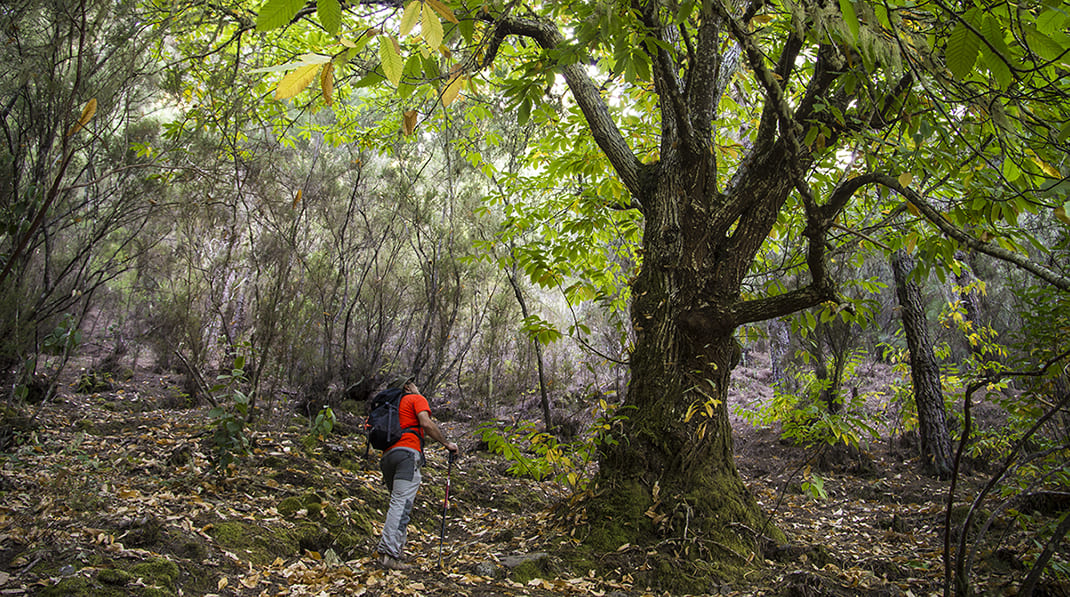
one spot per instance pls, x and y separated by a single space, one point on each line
401 473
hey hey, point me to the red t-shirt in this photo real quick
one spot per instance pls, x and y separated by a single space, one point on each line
408 408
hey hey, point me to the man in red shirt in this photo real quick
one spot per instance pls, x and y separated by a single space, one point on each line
401 472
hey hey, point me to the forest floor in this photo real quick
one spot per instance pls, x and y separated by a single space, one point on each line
112 494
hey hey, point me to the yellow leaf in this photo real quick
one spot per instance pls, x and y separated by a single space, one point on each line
296 81
327 83
297 198
913 209
906 178
410 17
87 114
431 28
452 90
408 122
443 10
1046 167
222 584
1060 213
393 65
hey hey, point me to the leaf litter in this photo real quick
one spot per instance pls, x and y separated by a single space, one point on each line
110 492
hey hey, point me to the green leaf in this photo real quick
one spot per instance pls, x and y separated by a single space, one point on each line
1010 169
411 73
850 18
330 14
1052 21
277 13
1046 47
882 15
962 50
995 35
524 112
998 68
1064 133
393 65
369 80
996 53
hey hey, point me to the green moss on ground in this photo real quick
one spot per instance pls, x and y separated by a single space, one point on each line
161 572
157 579
531 569
261 546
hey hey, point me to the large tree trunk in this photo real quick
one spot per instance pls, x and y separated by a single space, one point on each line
673 477
670 479
924 371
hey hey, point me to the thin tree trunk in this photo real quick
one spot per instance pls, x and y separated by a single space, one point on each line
544 394
924 371
972 303
779 341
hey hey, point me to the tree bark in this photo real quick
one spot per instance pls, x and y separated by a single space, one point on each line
924 371
677 458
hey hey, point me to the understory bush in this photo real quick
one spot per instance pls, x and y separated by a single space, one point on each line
540 455
806 420
230 438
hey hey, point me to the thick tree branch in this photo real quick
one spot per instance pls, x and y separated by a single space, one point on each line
790 128
841 196
954 232
703 80
584 91
669 86
771 307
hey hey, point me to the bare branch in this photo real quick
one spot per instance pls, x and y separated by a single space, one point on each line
954 232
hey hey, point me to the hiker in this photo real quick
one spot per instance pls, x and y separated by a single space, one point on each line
401 472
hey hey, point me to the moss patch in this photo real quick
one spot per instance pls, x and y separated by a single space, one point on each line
259 545
115 577
160 573
618 517
541 567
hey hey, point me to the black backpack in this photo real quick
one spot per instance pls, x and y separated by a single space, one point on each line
383 424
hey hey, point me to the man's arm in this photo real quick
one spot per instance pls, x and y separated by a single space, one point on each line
432 430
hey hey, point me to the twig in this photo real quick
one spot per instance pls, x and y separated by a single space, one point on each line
198 379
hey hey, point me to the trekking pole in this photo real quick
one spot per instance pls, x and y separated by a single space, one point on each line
445 504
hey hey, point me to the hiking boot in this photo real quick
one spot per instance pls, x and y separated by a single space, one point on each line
392 563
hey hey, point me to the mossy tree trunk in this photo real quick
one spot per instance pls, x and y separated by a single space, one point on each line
672 474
